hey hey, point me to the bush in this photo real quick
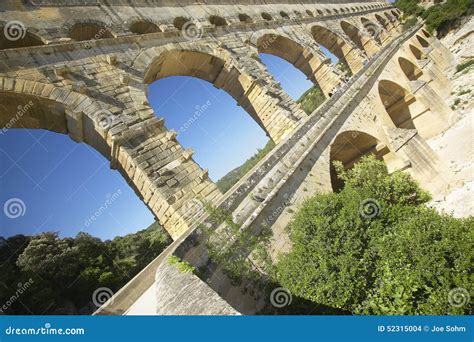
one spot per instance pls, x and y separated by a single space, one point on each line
374 248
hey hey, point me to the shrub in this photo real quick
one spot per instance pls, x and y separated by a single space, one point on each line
374 248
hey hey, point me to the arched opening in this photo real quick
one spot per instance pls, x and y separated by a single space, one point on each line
335 11
416 52
12 37
348 148
372 29
89 31
179 22
381 21
283 58
266 16
411 71
144 27
336 46
422 41
283 14
217 21
398 103
320 12
308 12
427 35
183 90
343 10
328 11
353 33
244 18
395 13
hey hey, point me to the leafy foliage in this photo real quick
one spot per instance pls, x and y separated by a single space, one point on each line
65 272
404 260
183 266
311 99
228 181
464 66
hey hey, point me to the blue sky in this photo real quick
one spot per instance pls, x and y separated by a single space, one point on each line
63 184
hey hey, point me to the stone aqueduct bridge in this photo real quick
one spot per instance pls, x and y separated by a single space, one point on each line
82 68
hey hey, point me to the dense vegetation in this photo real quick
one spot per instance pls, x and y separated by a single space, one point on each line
375 248
440 17
228 181
62 274
311 99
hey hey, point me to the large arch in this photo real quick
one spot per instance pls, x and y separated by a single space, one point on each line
219 70
363 42
416 52
338 47
348 148
301 58
397 102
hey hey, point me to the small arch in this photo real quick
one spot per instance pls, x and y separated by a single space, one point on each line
217 20
89 31
266 16
353 33
389 17
411 71
308 12
371 28
244 18
426 34
284 14
20 39
320 12
342 10
348 148
395 13
381 20
422 41
144 27
179 22
336 11
416 52
328 11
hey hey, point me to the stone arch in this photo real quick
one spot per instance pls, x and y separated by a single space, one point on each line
372 29
422 41
337 46
381 21
363 42
300 57
425 33
348 148
310 13
245 18
328 11
283 14
319 12
416 52
17 37
266 16
217 20
411 71
35 105
398 103
395 13
89 30
143 26
179 22
218 68
389 17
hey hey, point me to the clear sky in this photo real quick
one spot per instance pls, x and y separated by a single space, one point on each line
63 184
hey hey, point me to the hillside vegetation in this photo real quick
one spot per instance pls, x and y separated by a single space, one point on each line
61 274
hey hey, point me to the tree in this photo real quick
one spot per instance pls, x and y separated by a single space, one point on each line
375 248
